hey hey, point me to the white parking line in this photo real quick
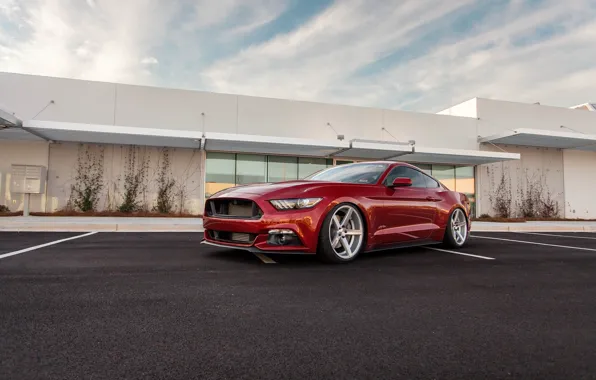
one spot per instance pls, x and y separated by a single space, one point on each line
568 236
264 258
535 243
461 253
5 255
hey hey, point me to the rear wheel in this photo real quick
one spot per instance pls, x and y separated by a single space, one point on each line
456 233
342 235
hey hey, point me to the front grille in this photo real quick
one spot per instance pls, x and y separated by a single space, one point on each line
232 237
233 208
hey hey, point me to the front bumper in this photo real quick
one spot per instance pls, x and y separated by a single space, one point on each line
303 223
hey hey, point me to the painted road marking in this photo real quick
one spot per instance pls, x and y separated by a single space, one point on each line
44 245
535 243
461 253
568 236
265 259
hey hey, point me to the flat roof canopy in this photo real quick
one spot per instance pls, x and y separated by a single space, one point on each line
544 139
240 143
8 120
374 150
230 142
16 134
455 156
112 134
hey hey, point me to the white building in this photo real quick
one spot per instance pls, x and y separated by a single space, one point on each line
496 151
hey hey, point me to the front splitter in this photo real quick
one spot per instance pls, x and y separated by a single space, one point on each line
253 249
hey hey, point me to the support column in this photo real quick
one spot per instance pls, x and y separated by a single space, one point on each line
26 204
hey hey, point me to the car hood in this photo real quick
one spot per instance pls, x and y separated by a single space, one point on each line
268 188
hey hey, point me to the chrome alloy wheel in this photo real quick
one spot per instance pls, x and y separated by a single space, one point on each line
346 232
459 226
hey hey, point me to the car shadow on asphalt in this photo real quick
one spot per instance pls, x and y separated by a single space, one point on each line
232 256
374 258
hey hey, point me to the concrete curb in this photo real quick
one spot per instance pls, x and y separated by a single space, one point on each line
86 227
522 228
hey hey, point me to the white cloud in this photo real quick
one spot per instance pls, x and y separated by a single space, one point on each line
242 14
324 52
317 61
149 61
105 42
9 8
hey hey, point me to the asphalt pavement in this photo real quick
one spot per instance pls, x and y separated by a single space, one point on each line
160 305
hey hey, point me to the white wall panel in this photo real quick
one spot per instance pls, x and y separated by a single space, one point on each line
154 107
75 101
580 184
465 109
497 116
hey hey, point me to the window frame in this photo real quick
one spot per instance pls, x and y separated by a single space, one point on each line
397 167
425 176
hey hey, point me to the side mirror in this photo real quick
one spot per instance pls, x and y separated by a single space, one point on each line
402 182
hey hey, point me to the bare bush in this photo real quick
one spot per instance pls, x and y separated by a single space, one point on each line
165 186
136 169
88 182
501 198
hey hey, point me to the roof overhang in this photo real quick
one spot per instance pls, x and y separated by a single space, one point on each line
18 134
229 142
456 156
374 150
8 120
544 139
112 134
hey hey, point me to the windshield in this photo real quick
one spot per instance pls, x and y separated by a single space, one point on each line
353 173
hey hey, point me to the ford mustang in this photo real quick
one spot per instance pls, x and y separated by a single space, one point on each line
339 213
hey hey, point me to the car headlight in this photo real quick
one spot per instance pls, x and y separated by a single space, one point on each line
291 204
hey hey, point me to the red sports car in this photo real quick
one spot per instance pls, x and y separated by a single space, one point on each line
339 213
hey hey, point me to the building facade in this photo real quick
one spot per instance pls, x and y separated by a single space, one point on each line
193 143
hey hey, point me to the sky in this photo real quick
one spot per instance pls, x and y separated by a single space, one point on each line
418 55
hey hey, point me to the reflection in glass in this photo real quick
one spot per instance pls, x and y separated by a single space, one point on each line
426 168
220 172
445 175
282 168
250 168
464 183
308 166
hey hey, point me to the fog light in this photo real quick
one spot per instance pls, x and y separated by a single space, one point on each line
283 237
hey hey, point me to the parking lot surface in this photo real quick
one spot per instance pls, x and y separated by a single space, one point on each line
160 305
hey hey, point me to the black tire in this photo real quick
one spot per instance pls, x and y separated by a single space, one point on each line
325 252
449 239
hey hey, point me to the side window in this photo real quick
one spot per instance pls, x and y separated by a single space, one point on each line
404 171
431 183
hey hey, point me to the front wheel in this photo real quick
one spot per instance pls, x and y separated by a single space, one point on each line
342 235
456 233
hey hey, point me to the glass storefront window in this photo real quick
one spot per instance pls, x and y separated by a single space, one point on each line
464 179
250 168
280 168
220 172
445 175
308 166
426 168
465 183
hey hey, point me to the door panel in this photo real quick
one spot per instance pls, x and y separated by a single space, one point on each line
408 212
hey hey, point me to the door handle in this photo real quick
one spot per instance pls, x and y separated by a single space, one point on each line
432 199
